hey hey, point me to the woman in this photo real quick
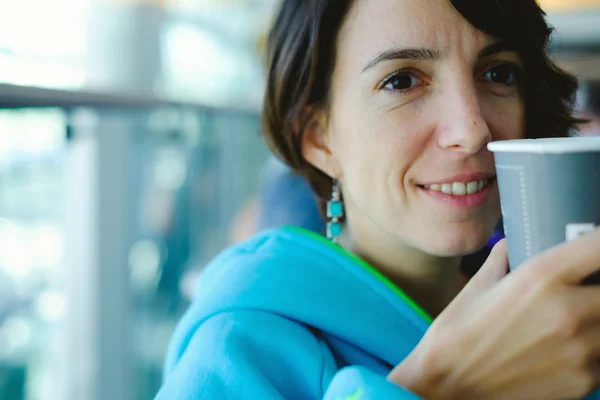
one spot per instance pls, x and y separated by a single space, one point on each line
386 106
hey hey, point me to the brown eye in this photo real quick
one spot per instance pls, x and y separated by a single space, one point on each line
401 81
504 74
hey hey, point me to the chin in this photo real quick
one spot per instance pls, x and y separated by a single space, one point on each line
457 244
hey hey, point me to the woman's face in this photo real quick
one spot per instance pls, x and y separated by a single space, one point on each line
416 94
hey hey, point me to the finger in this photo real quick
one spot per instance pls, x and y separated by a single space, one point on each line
587 350
493 270
584 304
592 338
572 261
596 376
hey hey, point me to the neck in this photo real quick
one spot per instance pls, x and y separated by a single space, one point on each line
430 281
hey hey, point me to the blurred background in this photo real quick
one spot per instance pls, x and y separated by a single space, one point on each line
130 155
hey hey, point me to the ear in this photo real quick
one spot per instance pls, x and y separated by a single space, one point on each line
316 143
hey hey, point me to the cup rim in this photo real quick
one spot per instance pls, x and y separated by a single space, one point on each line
547 145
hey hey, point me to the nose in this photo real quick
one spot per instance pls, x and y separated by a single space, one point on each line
463 127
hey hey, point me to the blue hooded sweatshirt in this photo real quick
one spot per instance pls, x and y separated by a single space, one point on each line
289 315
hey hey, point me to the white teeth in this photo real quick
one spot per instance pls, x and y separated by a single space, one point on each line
472 187
446 188
458 188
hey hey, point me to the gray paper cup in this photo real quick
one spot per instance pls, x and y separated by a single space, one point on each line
549 192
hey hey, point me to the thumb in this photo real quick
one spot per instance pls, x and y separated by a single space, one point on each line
491 272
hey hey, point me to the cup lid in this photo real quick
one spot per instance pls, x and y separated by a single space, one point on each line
547 145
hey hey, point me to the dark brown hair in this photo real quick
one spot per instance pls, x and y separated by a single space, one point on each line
301 56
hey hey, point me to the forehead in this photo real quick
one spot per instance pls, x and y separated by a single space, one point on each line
372 26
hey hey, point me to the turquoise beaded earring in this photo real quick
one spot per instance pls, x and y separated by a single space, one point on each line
335 211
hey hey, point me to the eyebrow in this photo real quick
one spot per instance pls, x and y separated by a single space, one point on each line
423 54
418 54
497 47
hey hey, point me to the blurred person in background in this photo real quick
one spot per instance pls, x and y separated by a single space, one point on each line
287 199
284 198
589 108
386 107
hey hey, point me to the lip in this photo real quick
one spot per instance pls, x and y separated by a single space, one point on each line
468 201
463 177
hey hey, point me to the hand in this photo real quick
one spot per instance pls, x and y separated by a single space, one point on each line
532 334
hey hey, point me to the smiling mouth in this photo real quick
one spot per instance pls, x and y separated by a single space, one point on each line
459 188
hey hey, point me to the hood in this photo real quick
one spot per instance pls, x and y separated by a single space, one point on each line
304 277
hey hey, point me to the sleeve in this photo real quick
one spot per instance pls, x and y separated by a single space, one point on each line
258 355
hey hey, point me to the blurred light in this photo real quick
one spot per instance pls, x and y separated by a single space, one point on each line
202 66
41 384
45 42
7 289
15 334
565 5
15 255
40 73
49 246
170 170
31 132
60 25
209 58
51 305
144 264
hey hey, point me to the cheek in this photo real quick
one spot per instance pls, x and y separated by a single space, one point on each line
505 118
355 150
375 142
361 152
375 152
